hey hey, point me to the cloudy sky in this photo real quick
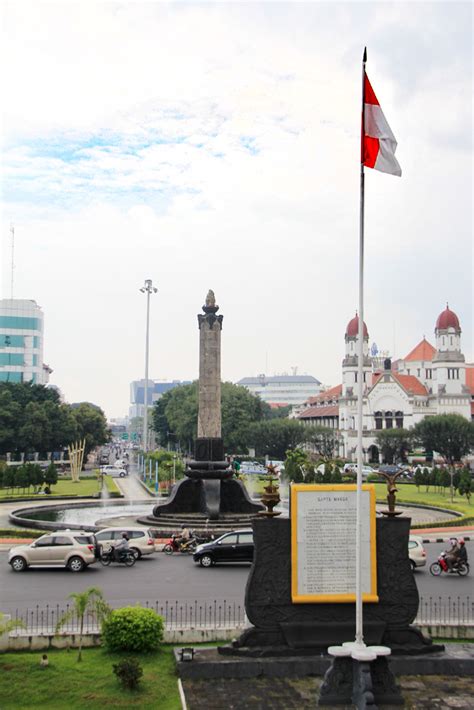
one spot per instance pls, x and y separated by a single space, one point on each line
216 145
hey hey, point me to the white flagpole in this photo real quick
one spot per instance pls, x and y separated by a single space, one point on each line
359 638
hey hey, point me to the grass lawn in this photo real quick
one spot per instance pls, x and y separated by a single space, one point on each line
66 487
409 494
88 685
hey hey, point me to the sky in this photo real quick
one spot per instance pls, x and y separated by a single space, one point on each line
217 145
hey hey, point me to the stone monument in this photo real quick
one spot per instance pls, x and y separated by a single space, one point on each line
209 489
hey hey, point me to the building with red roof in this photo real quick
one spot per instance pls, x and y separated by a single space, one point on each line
429 380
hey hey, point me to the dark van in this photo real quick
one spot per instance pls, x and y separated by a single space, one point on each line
236 546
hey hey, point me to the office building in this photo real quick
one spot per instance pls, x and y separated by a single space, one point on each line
21 342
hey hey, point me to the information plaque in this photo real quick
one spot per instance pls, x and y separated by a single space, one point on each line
323 543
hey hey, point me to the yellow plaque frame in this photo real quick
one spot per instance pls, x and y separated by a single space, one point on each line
297 598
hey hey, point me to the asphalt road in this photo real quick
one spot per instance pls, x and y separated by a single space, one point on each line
161 577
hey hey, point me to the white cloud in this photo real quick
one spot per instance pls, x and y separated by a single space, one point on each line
216 146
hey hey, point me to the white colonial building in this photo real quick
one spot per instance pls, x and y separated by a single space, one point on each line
429 380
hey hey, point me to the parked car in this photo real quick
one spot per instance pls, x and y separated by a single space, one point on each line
113 471
352 468
252 467
416 552
237 546
74 550
141 540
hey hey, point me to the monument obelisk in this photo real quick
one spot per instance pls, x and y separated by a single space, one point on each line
209 489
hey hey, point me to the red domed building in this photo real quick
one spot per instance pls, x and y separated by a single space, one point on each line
429 380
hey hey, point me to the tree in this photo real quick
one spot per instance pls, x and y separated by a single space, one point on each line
464 486
296 463
176 412
21 477
9 477
451 435
393 444
90 601
91 425
324 441
275 437
51 475
336 475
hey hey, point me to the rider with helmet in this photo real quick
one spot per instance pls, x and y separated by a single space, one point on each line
452 553
121 546
461 557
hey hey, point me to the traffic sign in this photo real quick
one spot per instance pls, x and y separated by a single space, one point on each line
125 436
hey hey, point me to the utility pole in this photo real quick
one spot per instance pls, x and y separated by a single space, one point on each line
148 288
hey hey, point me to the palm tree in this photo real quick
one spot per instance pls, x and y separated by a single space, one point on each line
6 626
90 601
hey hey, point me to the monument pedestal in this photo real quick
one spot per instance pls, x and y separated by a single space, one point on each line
365 684
281 627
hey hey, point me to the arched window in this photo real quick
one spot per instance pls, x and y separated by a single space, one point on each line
378 420
389 420
399 420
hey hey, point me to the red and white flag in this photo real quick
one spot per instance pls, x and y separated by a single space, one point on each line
378 142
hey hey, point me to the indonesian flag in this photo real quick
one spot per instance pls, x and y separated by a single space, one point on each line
378 142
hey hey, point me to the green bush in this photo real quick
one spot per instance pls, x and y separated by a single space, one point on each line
129 672
133 629
373 478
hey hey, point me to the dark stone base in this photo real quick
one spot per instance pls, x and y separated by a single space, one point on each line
365 684
208 663
208 496
310 638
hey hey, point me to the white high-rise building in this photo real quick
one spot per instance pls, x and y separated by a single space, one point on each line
21 342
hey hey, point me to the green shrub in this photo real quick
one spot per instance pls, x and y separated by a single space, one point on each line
133 629
129 672
373 478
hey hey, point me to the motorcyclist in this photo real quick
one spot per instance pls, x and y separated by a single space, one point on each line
462 552
452 553
121 547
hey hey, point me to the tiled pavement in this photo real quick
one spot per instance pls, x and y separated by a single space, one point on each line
420 693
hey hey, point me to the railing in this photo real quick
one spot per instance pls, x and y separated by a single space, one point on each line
220 615
177 615
445 610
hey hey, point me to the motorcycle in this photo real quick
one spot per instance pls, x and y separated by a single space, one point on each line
175 544
126 557
441 565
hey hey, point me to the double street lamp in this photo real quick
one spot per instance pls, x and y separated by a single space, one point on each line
147 288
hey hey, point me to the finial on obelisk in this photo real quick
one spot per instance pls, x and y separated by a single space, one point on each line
210 304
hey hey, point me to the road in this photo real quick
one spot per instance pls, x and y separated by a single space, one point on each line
176 577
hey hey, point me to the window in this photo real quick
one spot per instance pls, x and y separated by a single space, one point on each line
84 540
62 541
246 538
378 420
102 536
429 374
229 540
7 358
44 541
388 420
12 341
134 534
19 322
355 376
399 420
11 376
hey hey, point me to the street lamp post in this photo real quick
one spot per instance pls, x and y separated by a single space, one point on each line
148 288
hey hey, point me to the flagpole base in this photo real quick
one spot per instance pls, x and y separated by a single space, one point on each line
359 675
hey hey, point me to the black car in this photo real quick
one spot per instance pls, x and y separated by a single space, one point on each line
237 546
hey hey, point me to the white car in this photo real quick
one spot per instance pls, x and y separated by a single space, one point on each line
352 468
252 467
140 541
416 552
113 471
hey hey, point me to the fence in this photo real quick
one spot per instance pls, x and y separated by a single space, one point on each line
177 615
220 615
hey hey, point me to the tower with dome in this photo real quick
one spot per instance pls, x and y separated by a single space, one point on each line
429 380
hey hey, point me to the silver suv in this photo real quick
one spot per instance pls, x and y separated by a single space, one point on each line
65 548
